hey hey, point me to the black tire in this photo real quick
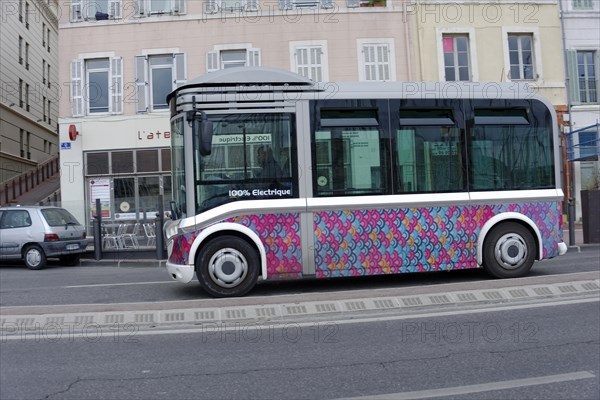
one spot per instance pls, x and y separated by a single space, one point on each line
34 257
509 251
227 267
70 260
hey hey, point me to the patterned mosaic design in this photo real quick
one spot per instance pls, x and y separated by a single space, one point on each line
373 242
279 233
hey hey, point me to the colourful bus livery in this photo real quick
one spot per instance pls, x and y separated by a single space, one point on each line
279 177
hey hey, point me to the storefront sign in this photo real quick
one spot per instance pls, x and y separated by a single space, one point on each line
100 189
143 135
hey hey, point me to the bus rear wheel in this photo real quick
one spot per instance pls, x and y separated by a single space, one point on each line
509 251
227 267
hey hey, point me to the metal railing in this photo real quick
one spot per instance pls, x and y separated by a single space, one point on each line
16 187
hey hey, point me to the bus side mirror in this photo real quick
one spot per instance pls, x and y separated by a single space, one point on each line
206 134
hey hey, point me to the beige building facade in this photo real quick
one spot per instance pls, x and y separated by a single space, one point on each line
516 41
119 59
29 85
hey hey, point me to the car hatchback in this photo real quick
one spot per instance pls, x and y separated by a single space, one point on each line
35 233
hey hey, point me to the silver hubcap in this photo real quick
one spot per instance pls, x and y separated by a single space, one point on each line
34 257
511 251
228 268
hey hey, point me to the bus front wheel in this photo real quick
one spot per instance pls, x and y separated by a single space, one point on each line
227 267
509 251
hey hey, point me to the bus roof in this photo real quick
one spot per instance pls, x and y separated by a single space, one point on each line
264 79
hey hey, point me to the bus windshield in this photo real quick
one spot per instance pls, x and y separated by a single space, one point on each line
251 158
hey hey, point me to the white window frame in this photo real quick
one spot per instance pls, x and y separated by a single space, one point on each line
79 91
305 4
144 96
537 52
79 9
361 43
595 58
470 32
295 46
87 70
213 57
175 7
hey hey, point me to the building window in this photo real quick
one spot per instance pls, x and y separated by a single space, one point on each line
48 40
21 89
44 72
97 72
43 34
20 10
96 86
377 61
27 15
20 50
229 58
310 61
157 76
48 65
520 53
456 57
27 96
44 107
158 7
588 80
308 4
95 10
583 5
49 112
26 56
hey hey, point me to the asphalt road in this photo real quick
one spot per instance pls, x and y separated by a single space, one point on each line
106 285
546 352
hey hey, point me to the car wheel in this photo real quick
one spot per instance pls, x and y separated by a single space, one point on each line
227 267
70 259
34 257
509 251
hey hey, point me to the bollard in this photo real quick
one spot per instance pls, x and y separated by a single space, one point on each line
160 253
98 232
571 217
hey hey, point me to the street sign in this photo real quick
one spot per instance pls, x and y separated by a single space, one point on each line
65 146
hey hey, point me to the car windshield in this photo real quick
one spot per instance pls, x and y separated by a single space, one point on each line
58 217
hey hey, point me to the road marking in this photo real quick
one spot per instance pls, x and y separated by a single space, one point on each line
484 387
116 284
7 333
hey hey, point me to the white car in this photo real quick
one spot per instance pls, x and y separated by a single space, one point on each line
34 233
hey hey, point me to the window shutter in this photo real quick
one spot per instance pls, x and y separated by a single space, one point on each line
141 83
77 88
316 64
116 90
253 59
210 6
141 8
212 61
76 11
326 3
353 3
114 9
383 61
573 77
179 70
285 4
301 54
597 71
179 7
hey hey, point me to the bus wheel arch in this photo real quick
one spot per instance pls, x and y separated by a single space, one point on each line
508 245
216 251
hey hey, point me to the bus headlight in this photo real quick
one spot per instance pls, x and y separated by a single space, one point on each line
170 229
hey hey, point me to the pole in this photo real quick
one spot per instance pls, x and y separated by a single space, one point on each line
98 232
159 228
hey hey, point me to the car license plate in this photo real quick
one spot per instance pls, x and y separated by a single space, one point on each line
74 246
